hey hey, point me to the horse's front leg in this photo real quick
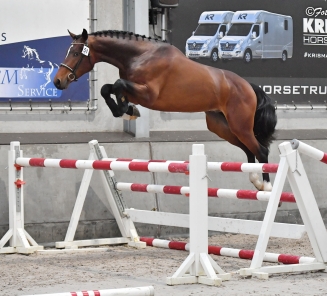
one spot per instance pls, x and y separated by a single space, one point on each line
122 107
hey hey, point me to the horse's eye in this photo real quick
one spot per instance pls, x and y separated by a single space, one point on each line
75 54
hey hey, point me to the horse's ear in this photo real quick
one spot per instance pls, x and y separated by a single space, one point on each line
85 35
71 34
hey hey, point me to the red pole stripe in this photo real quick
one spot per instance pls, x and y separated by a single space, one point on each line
246 194
212 192
37 162
288 259
177 245
68 163
246 254
85 293
324 159
231 166
215 250
147 240
178 167
172 189
101 165
139 187
73 293
270 167
96 293
139 166
287 197
124 159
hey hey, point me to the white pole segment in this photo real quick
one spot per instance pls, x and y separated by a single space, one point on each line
307 150
139 291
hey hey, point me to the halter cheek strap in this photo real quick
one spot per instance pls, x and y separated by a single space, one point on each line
85 52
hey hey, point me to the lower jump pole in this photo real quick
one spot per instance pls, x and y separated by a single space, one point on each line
212 192
138 291
229 252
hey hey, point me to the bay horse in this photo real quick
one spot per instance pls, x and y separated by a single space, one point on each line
158 76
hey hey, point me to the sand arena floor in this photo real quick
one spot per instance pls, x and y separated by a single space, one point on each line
122 266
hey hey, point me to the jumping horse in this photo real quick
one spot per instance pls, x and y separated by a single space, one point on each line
158 76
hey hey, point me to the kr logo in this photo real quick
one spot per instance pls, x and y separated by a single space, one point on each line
242 16
209 17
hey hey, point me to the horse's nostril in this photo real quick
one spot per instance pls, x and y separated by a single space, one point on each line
57 83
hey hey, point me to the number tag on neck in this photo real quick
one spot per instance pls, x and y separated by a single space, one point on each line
85 50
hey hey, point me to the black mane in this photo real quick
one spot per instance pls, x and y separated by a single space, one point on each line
119 34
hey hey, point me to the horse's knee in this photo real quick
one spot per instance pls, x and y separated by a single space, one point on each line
106 90
117 86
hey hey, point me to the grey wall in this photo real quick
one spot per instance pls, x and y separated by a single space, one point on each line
110 16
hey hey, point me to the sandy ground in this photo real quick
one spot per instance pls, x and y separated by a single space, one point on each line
122 266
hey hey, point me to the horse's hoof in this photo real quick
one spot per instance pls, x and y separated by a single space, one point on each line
133 111
128 117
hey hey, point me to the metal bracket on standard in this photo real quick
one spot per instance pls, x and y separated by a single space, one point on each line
109 175
116 201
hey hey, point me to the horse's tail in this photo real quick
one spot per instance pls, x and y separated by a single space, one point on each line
265 118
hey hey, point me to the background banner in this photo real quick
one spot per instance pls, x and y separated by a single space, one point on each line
33 43
302 30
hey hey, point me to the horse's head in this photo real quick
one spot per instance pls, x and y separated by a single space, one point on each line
76 63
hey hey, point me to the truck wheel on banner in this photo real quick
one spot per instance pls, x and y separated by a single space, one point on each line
247 58
284 56
214 56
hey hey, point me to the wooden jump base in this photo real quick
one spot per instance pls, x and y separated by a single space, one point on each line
139 291
228 252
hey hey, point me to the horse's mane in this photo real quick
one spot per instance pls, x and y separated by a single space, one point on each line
120 34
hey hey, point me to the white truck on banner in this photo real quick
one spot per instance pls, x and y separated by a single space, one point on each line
204 41
32 37
258 34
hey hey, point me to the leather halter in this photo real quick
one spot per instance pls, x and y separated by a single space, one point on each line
72 75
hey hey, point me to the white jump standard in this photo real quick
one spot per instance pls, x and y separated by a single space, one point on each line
22 242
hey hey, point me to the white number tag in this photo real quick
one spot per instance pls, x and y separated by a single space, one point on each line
85 50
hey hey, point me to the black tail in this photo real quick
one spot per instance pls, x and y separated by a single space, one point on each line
265 119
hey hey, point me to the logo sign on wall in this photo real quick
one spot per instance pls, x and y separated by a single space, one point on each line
33 41
280 45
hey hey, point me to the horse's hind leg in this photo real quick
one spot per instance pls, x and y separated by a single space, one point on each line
217 124
241 125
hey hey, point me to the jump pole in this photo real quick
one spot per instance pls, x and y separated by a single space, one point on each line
229 252
212 192
138 291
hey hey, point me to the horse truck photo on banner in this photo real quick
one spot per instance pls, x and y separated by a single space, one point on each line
32 35
279 45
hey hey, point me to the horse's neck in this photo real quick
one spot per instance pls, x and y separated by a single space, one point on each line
116 51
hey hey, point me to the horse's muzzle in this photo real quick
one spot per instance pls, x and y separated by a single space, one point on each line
57 84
